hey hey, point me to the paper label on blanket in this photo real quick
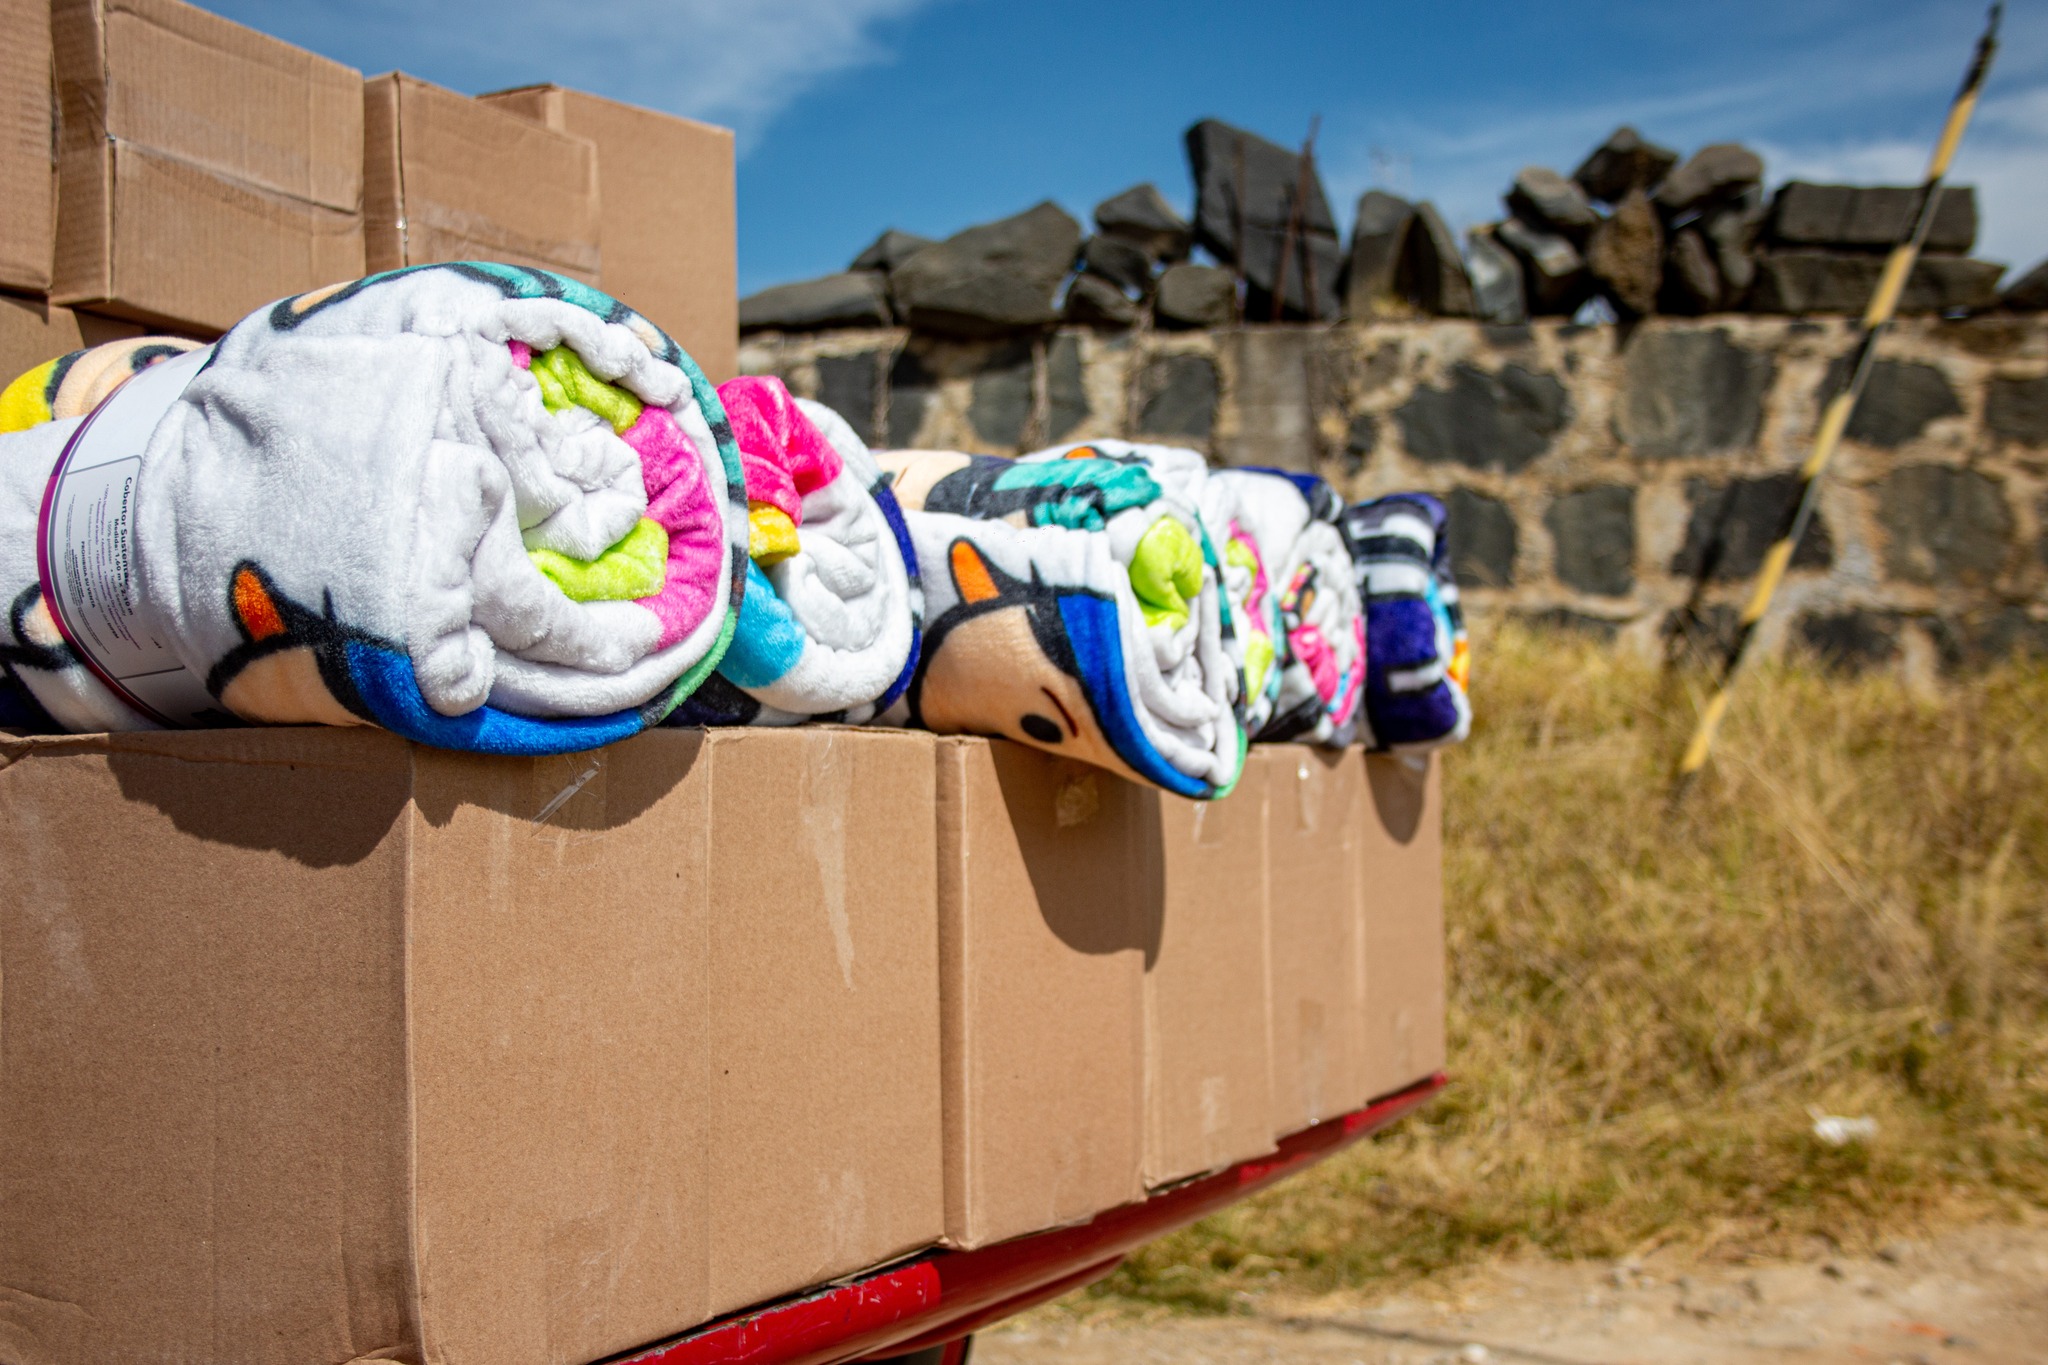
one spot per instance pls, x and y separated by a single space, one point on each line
85 552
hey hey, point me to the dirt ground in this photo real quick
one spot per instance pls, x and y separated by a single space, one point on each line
1977 1294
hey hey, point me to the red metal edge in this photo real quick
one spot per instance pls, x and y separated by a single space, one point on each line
951 1293
957 1328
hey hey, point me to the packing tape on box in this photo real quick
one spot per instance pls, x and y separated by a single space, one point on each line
85 551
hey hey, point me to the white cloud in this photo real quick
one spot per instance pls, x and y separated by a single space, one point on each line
1464 159
737 62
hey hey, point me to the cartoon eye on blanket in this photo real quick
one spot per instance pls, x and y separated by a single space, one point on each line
293 666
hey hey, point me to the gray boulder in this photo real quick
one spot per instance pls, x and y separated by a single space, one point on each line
1715 174
1123 263
890 250
1874 216
2029 293
1553 271
1692 282
1096 302
1378 235
991 279
1626 255
1140 215
1195 296
1497 292
1731 231
1622 163
1842 282
1544 199
1258 207
1432 273
856 299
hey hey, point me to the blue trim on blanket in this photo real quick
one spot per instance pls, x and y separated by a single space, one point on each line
892 513
1093 628
768 641
385 682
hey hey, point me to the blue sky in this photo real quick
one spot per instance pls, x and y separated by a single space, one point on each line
856 115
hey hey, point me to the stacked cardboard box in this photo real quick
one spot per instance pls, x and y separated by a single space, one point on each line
448 178
28 169
665 219
204 169
1139 988
177 171
320 1045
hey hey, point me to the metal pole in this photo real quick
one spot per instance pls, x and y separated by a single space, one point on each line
1834 419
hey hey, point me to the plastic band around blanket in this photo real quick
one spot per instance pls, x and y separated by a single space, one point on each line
87 528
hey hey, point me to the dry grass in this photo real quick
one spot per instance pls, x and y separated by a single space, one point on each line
1849 914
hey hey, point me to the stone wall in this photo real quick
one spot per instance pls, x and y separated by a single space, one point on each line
1623 479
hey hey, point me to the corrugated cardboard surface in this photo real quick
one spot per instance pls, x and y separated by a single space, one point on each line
316 1045
1208 1082
824 1009
667 218
32 331
204 169
203 1114
1401 896
1043 937
448 178
28 169
559 996
1315 813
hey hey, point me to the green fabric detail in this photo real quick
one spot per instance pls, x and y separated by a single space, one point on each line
1258 657
1243 747
1096 490
635 567
566 382
1166 573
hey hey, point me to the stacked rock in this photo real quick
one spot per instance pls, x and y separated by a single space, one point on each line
1633 226
1636 227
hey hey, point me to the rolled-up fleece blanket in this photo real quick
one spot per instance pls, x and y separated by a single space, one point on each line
1069 605
830 625
483 506
36 665
1251 609
1322 629
1419 657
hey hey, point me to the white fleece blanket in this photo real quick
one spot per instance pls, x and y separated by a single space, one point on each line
830 626
1071 606
484 506
1293 519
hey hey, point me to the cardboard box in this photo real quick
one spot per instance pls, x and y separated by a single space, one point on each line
28 167
1401 900
447 178
667 215
1314 824
825 1008
1208 1073
1043 937
32 331
318 1045
203 168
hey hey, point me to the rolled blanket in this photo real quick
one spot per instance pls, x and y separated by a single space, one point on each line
830 626
1322 630
41 677
483 506
1419 660
73 385
1251 609
1069 606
